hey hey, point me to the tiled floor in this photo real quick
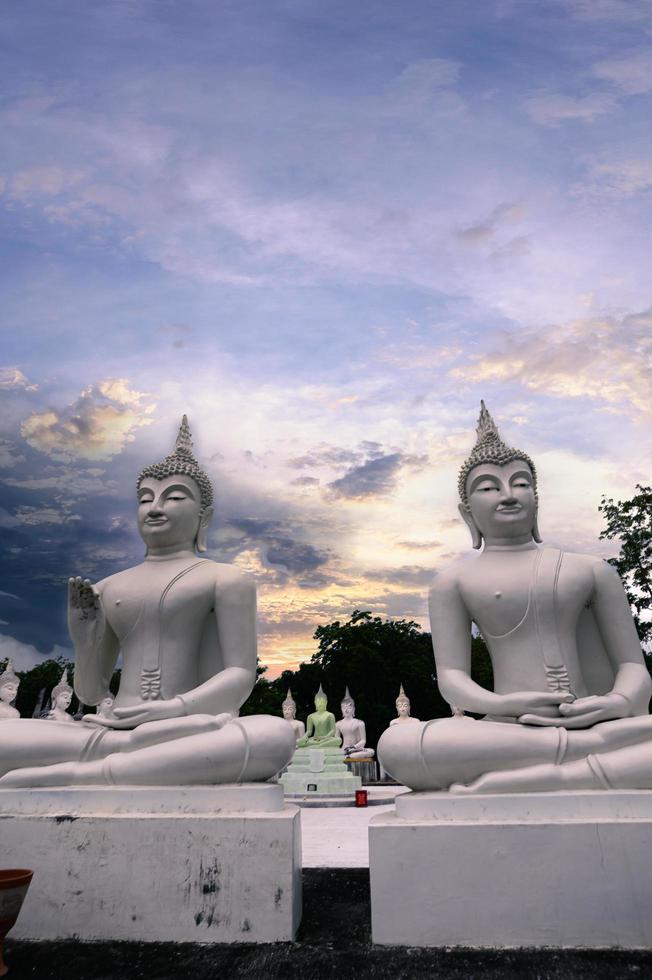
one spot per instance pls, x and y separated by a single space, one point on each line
336 837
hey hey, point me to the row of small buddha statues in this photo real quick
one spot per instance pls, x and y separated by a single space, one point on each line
59 701
569 708
349 732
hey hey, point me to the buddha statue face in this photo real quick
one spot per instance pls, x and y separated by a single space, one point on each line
105 706
170 513
498 489
320 702
403 707
348 709
8 692
289 710
501 501
62 700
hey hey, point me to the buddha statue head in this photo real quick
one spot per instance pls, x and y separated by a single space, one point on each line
347 705
402 704
175 499
321 701
289 707
498 488
105 707
61 694
8 684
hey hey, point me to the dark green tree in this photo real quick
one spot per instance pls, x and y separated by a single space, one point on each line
631 522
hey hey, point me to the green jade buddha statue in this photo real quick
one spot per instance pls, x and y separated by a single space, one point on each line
321 732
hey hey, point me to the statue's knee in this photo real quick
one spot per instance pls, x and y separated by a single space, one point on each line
270 745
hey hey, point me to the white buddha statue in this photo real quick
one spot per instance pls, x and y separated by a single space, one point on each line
105 707
61 698
9 684
352 731
186 627
402 709
289 709
569 709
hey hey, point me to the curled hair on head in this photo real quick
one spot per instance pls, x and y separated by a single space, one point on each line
490 448
181 462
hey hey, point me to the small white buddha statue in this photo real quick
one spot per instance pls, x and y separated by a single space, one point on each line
9 684
289 709
61 698
352 731
402 709
105 707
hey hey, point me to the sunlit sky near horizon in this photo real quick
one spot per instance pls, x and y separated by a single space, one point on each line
324 230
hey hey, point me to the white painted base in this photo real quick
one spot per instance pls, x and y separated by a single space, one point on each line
319 771
185 864
563 870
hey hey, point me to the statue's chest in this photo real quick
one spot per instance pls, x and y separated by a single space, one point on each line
165 601
498 595
532 590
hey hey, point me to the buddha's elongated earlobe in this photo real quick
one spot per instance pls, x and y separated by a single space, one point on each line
536 534
202 530
476 536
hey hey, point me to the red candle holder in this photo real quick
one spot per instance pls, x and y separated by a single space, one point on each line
361 797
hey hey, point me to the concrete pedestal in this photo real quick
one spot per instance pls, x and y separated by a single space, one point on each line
186 864
564 870
319 771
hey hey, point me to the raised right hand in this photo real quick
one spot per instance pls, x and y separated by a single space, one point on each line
86 620
534 702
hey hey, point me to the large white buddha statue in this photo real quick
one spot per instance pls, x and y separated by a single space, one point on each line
9 684
352 731
186 627
569 709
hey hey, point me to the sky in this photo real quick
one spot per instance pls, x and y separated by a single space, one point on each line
325 231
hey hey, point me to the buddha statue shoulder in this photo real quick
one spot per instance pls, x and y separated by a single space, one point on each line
9 684
352 731
569 708
289 709
402 709
186 629
321 730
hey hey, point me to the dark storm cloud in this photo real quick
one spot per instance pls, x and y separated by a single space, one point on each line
374 478
405 575
276 543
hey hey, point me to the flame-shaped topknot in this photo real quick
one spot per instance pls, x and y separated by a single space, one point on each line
183 446
289 699
181 461
490 448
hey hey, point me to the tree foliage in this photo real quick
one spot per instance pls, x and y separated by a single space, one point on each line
631 522
373 657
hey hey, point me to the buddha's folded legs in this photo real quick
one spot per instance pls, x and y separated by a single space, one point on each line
484 756
245 749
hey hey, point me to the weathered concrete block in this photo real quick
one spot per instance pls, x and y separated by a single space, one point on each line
188 864
565 870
